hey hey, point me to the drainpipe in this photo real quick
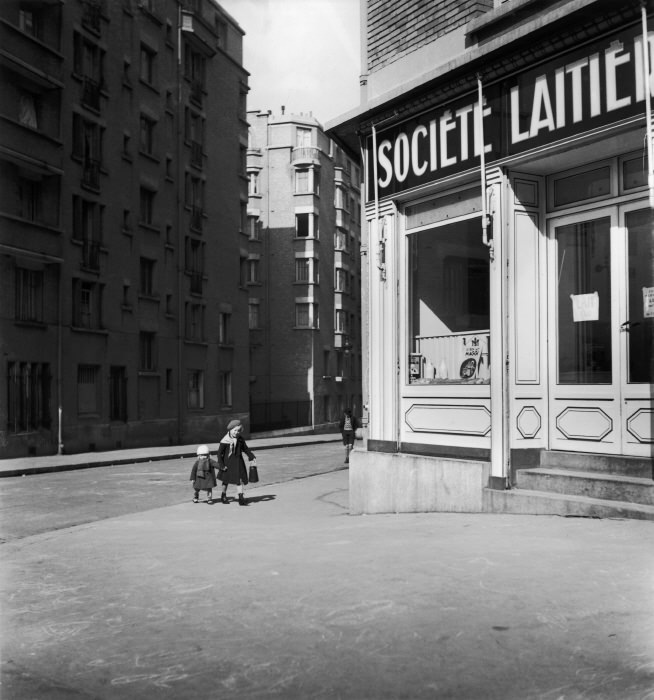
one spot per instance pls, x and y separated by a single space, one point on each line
180 236
60 384
648 107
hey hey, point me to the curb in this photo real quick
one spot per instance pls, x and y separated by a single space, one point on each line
53 468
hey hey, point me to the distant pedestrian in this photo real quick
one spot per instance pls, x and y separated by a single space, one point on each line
348 427
231 463
203 474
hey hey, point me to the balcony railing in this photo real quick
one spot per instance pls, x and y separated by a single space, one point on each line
196 153
91 173
91 93
305 154
196 218
91 255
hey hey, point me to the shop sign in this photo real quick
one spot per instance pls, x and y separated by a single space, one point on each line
597 85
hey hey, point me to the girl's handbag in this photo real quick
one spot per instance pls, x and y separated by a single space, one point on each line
253 476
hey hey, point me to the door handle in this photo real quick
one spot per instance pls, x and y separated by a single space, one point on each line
628 325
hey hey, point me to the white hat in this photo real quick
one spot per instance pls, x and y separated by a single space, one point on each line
203 450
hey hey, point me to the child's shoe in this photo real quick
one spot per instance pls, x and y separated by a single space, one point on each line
196 500
209 500
223 498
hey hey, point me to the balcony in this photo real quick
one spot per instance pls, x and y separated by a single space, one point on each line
91 94
91 255
196 154
38 61
91 173
305 155
198 32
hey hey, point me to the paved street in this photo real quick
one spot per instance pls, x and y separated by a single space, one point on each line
292 598
43 502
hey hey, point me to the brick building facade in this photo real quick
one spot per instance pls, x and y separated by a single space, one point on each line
122 246
303 274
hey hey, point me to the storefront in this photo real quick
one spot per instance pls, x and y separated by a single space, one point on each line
511 287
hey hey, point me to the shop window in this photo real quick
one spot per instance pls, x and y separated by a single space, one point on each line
449 305
581 186
633 174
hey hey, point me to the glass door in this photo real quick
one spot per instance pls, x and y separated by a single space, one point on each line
601 330
584 333
637 329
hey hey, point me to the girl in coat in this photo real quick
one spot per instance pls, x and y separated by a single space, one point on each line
231 463
203 474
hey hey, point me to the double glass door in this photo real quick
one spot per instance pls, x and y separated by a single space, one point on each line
601 330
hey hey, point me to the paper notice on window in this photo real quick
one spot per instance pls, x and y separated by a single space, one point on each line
648 302
585 307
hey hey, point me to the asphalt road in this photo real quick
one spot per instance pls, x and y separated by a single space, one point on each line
31 505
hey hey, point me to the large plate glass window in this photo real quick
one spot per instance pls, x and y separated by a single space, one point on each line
449 311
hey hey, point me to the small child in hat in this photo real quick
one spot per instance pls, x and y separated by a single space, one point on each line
203 474
231 463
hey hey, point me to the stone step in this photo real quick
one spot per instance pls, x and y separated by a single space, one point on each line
588 462
613 487
526 502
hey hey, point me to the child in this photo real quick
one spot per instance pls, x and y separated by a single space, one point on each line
203 474
231 463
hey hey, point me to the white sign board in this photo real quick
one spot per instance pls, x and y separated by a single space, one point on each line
648 302
585 307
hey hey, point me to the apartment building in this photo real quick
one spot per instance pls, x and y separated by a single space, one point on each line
123 315
303 273
509 186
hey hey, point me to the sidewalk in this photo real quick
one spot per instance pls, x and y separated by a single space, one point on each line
290 598
85 460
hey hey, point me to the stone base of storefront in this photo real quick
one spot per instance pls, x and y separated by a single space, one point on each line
402 483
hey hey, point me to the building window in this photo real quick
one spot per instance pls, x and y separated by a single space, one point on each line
306 315
87 305
253 315
306 225
194 316
195 395
303 137
146 277
29 109
225 388
118 394
148 60
146 206
88 389
253 182
30 194
341 325
28 396
253 229
30 20
302 180
341 281
302 269
449 315
87 220
253 271
147 358
224 328
147 135
29 295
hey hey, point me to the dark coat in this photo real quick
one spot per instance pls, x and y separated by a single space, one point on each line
206 482
232 468
348 435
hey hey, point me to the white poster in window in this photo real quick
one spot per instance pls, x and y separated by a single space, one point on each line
648 302
585 307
